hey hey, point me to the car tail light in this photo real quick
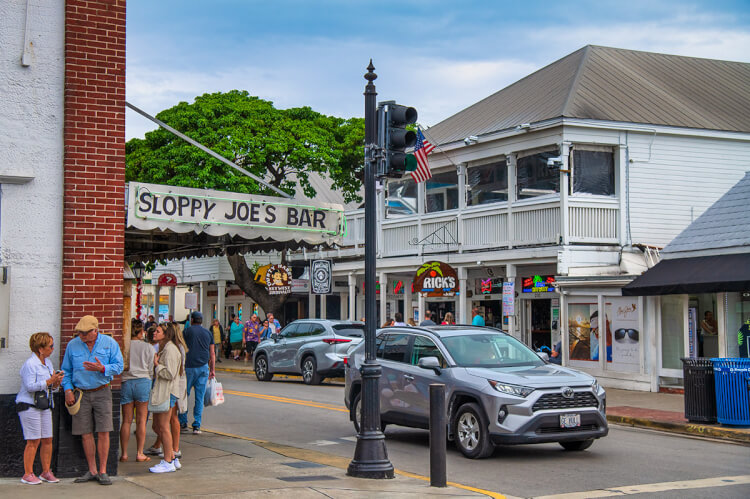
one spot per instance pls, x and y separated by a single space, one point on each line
346 361
333 341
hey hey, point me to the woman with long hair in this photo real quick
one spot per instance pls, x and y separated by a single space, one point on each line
165 393
136 386
182 403
448 319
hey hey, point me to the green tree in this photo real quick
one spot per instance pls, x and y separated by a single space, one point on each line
282 146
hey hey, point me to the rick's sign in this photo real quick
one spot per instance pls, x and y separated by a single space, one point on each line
436 279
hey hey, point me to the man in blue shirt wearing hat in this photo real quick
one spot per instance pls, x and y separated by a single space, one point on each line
199 366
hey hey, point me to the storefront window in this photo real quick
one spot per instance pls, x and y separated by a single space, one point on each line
672 331
593 171
703 328
401 198
534 177
583 326
738 324
487 183
442 192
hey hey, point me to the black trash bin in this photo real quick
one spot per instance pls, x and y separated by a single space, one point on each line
700 390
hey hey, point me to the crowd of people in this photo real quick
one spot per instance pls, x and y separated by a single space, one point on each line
430 319
165 364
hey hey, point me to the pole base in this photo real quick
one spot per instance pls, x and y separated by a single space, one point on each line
370 458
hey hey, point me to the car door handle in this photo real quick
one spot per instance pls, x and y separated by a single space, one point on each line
409 377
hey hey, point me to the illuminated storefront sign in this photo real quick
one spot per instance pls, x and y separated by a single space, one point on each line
539 284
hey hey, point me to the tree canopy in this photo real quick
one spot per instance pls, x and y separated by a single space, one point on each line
281 146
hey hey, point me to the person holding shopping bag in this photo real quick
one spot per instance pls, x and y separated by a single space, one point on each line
165 393
34 403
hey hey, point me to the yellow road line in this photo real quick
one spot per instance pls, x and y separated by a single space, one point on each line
286 400
334 461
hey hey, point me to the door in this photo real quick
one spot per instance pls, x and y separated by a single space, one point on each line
392 360
417 381
279 352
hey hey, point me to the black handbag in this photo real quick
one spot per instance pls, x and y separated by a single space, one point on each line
41 400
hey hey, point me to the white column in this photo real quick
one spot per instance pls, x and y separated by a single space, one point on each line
352 297
323 311
343 305
510 275
512 189
420 307
310 302
407 301
383 295
462 297
157 294
203 303
221 290
171 302
564 153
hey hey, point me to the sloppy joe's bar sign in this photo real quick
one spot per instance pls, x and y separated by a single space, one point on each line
183 209
436 279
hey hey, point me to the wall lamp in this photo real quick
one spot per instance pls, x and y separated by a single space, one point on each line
524 126
471 139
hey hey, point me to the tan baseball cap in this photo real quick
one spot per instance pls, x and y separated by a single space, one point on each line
87 323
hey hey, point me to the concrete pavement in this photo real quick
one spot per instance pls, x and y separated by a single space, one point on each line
655 411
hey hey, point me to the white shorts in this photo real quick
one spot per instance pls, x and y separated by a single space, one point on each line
36 423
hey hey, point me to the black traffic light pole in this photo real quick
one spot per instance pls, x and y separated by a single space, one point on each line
370 455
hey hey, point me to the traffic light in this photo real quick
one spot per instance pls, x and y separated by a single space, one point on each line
394 138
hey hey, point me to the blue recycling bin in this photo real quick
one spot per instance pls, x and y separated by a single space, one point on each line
732 377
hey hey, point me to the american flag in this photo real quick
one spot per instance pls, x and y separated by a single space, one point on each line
421 149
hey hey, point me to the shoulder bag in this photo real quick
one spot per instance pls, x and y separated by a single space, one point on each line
42 399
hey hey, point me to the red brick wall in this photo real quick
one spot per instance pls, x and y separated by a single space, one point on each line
94 164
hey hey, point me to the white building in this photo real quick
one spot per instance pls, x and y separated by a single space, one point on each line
579 172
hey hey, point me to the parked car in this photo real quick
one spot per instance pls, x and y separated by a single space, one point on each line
498 391
314 348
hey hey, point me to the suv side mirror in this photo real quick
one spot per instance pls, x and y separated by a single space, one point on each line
544 356
275 337
430 363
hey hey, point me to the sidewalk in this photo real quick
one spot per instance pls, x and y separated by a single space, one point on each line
219 464
655 411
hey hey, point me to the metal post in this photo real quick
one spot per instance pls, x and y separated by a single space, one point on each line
370 455
438 444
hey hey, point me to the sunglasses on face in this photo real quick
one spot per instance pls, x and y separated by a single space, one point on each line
621 333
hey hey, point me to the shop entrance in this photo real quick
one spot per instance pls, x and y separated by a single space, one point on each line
492 311
440 308
538 323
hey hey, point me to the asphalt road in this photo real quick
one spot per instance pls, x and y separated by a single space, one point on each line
662 465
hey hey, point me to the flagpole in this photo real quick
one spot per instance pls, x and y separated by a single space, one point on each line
440 149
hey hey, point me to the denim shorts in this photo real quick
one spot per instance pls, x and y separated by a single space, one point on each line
172 400
135 390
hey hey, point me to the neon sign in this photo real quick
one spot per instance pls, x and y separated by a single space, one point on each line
539 284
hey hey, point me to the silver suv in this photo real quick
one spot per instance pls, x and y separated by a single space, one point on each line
314 348
498 391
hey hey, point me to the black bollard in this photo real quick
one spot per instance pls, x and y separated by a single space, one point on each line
438 439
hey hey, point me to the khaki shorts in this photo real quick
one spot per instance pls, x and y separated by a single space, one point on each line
95 413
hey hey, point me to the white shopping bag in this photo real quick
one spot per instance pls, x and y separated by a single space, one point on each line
217 394
210 387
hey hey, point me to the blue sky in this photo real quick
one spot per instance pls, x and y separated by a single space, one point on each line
437 56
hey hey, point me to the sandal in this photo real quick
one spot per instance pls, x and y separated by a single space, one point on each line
143 459
123 459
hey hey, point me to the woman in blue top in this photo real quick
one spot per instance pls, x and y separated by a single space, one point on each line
235 337
37 375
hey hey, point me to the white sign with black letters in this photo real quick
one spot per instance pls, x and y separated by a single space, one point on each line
321 277
183 209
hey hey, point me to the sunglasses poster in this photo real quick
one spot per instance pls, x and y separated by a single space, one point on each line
625 331
582 331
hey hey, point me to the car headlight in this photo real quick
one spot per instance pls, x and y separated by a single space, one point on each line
595 386
507 388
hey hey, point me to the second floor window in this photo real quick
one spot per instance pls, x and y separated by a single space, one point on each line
401 197
534 177
487 183
593 170
442 192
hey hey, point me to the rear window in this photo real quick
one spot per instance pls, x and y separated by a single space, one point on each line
351 330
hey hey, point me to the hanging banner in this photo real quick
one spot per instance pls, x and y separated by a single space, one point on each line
191 301
625 330
167 280
182 209
436 279
509 298
321 277
279 280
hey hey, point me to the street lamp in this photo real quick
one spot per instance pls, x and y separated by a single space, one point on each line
370 455
138 269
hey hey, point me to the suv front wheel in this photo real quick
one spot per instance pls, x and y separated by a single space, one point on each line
471 432
261 368
357 410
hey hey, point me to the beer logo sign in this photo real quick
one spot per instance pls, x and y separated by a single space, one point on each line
436 279
279 280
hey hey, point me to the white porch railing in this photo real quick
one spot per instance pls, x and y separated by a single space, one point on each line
494 226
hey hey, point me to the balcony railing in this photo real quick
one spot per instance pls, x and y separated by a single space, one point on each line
493 226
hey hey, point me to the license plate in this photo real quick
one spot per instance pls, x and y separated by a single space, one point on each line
570 420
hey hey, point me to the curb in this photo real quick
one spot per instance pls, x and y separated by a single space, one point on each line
698 430
281 376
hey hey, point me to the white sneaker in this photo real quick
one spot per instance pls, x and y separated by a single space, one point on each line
176 454
176 464
163 467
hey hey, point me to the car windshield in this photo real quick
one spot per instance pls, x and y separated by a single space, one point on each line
490 350
351 330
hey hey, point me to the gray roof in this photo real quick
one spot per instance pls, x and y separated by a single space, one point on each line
726 224
603 83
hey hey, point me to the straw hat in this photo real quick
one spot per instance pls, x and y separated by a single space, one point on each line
73 409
